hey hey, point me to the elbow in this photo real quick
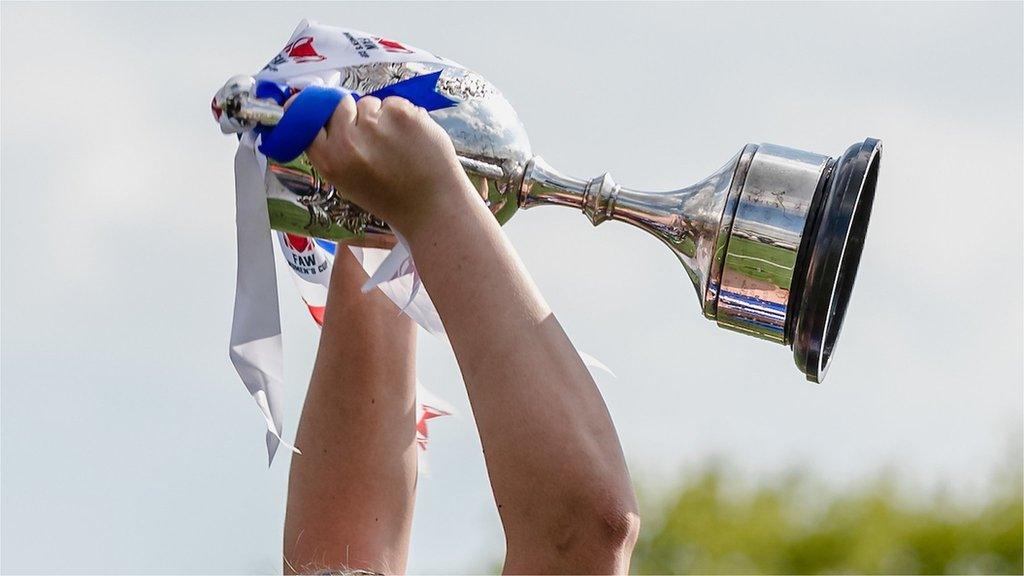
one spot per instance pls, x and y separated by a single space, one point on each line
592 534
612 526
623 528
598 536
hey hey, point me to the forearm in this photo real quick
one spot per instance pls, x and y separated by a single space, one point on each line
554 460
351 492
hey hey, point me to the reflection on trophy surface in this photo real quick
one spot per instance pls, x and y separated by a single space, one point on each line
771 240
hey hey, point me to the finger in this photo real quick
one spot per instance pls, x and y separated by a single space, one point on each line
367 107
316 148
343 116
397 102
398 107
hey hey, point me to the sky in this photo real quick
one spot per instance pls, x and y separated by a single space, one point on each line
128 443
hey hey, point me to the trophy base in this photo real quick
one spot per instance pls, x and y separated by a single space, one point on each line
829 256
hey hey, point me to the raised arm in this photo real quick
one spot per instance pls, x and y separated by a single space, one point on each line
553 457
351 491
552 453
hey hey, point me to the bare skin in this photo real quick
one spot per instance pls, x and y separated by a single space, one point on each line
554 460
351 492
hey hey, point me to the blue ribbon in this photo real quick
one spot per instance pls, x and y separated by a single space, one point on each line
313 107
420 91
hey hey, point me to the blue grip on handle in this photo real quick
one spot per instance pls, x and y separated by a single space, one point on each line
308 113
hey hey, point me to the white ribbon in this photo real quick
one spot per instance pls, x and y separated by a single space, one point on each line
256 325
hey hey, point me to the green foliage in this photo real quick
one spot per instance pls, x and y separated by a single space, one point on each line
792 527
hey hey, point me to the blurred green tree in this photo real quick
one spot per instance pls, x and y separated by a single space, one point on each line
795 527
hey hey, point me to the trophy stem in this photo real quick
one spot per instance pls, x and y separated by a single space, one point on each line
542 185
602 199
689 220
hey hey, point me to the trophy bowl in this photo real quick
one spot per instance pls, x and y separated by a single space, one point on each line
771 241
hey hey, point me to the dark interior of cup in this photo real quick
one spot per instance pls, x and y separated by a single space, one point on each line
829 256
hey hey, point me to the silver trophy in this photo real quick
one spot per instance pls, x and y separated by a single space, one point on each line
771 241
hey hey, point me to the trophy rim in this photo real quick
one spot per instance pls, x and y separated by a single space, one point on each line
832 262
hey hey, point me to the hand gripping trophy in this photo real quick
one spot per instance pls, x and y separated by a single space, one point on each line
771 240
